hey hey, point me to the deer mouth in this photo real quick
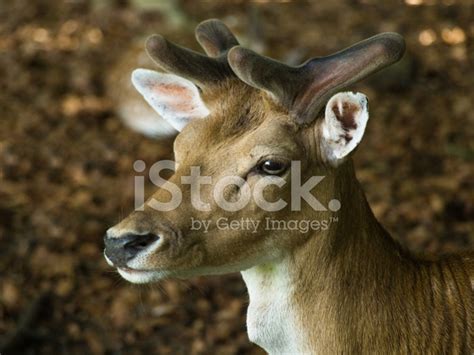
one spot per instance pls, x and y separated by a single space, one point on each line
131 270
140 276
135 275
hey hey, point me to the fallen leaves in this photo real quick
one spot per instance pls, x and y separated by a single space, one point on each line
66 160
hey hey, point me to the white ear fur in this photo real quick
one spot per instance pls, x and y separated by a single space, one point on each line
176 99
344 124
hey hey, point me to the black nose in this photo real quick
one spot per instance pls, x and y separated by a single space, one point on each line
124 248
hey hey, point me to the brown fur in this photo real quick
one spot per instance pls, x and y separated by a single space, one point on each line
374 297
354 289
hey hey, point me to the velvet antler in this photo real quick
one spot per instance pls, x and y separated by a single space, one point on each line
305 89
214 37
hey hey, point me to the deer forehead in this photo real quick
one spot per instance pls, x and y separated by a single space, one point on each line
243 122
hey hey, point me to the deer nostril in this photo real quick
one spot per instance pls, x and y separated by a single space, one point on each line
140 242
125 247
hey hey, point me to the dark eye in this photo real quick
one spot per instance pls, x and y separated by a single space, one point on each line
272 167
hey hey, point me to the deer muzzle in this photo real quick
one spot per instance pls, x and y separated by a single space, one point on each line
119 250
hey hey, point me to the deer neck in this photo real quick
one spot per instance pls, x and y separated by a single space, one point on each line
296 300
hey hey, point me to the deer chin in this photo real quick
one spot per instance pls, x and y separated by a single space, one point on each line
141 276
136 274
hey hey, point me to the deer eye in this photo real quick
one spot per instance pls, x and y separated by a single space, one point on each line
272 167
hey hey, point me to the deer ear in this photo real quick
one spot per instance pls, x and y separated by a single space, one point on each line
175 99
344 124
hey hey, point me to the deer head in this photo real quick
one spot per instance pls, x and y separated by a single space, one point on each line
243 117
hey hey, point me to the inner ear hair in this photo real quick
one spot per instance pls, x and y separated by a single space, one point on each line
345 113
343 126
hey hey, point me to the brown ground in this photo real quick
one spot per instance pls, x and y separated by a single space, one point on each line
66 159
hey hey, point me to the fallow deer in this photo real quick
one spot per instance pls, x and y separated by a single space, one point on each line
347 288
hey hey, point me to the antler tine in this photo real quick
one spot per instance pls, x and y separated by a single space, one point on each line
304 89
276 78
186 63
214 37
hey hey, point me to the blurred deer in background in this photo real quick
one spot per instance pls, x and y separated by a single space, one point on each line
129 105
348 288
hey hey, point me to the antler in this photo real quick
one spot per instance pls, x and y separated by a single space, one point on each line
304 89
214 37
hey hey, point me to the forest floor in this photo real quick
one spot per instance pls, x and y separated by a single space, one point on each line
66 159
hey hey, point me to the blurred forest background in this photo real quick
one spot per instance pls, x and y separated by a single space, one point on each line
66 158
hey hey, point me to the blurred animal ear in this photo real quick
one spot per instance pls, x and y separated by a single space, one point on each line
343 126
175 99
